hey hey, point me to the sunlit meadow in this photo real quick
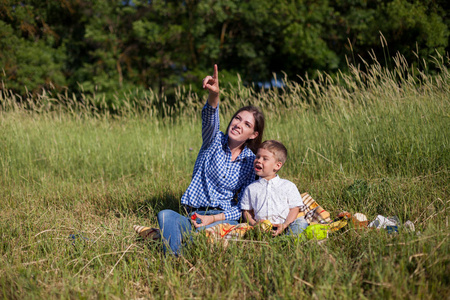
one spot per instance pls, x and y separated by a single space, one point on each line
76 173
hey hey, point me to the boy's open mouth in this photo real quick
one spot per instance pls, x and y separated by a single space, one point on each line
258 168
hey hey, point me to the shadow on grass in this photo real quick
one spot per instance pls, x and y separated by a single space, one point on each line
141 207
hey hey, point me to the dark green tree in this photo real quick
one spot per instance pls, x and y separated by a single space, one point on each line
111 46
29 56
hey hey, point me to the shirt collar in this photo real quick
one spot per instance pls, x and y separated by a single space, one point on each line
273 181
245 153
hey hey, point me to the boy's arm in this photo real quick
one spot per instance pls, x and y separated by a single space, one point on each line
293 212
248 215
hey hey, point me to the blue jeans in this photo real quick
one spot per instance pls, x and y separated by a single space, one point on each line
297 227
175 227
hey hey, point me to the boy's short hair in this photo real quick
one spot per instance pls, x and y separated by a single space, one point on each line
277 148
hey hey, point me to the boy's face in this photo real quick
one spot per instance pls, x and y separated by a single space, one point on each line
266 165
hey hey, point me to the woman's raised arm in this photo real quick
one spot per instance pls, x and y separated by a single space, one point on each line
211 83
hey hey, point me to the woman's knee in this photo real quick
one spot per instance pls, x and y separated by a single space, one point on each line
165 215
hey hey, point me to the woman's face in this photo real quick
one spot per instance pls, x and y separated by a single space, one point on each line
242 127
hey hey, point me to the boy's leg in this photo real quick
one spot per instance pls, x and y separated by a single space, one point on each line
297 226
173 228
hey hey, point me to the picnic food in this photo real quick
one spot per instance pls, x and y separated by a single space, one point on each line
265 225
359 220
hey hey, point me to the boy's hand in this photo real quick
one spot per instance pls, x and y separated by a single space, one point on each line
279 230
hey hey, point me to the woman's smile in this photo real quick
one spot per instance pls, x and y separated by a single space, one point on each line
242 127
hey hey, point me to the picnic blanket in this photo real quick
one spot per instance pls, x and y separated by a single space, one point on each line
221 232
224 232
312 211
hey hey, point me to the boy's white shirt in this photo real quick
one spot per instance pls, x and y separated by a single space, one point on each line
271 199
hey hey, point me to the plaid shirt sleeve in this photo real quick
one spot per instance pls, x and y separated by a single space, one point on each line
234 213
210 124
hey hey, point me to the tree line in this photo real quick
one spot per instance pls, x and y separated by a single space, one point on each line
110 46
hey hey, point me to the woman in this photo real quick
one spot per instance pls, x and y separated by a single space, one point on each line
224 167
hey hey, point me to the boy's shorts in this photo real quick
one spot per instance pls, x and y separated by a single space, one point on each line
297 227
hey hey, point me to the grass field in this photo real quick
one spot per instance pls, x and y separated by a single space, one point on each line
76 176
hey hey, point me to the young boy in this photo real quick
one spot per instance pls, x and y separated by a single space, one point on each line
272 198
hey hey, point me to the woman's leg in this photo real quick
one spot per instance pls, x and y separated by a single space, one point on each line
297 226
173 228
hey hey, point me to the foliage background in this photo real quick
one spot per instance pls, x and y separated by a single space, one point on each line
114 46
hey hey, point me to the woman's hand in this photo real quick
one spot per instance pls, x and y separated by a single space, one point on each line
211 83
205 220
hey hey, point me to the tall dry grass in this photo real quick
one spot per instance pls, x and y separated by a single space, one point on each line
76 173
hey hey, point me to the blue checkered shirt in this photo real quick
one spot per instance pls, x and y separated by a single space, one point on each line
216 179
